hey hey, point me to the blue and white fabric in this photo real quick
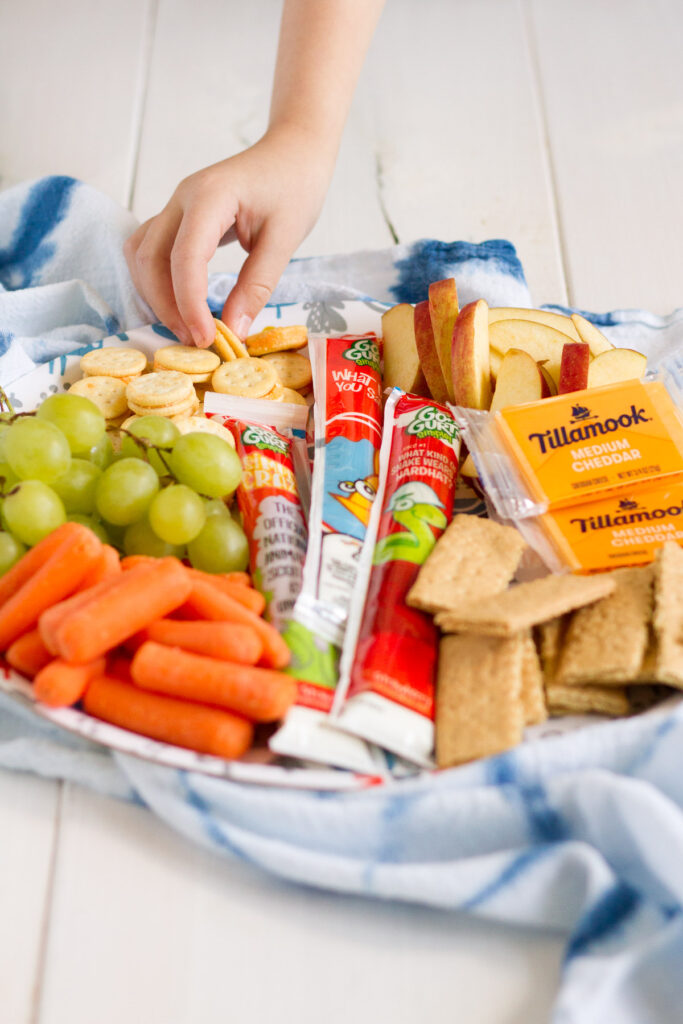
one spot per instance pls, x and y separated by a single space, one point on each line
583 832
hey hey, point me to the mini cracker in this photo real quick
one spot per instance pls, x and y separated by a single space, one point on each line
474 558
248 378
186 359
549 638
606 642
668 615
162 388
108 394
113 362
227 344
576 700
293 370
532 691
127 423
525 605
189 405
292 397
478 706
203 425
277 339
276 392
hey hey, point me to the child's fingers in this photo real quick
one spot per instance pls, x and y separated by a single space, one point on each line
151 269
198 237
257 279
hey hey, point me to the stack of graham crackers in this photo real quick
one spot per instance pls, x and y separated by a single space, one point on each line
512 654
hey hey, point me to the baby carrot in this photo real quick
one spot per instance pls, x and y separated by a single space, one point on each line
233 577
109 564
58 577
206 730
133 561
28 654
52 617
207 603
228 641
250 598
133 600
15 577
60 684
257 693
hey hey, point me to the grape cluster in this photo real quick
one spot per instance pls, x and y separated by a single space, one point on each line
161 494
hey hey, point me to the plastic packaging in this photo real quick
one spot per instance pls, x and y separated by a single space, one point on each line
388 666
574 448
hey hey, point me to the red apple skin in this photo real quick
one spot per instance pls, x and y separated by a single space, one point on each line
576 357
443 309
428 355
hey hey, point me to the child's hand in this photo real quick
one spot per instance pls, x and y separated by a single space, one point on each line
267 197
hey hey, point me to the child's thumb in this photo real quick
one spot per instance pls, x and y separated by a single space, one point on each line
255 284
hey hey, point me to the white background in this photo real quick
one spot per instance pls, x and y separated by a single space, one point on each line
555 123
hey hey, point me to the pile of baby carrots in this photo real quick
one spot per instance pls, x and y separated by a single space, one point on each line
147 644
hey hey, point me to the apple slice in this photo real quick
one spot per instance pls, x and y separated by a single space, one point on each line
470 356
401 362
468 468
557 321
495 359
576 357
539 340
588 332
550 386
519 381
443 312
616 365
428 355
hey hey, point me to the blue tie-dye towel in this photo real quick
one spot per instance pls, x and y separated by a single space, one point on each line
582 833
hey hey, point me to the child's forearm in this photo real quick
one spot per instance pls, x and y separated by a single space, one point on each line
321 50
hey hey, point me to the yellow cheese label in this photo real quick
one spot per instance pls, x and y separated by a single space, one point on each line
623 529
587 443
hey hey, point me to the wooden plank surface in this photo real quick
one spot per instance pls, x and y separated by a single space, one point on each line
70 77
28 817
613 95
147 927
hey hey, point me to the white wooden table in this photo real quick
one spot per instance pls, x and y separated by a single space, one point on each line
555 123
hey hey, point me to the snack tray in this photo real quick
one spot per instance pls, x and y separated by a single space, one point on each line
259 766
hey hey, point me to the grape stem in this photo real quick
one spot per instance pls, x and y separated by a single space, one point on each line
4 401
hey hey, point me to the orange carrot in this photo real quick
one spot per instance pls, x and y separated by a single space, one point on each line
133 600
206 730
29 654
207 603
250 598
233 577
133 561
109 564
257 693
52 617
29 563
228 641
60 684
118 666
58 577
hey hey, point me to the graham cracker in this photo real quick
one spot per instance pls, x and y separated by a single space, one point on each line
520 607
474 558
549 639
667 620
532 691
577 700
606 641
478 702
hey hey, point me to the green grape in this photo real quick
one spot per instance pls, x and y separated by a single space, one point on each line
177 514
140 539
77 417
215 507
116 535
32 511
207 464
8 477
4 427
78 485
102 453
157 429
221 546
124 491
11 551
93 524
37 449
